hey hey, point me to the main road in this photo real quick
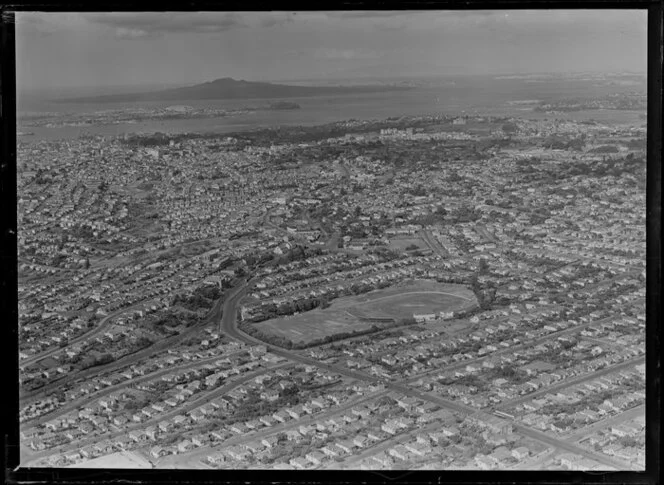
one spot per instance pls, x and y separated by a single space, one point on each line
215 314
228 326
433 243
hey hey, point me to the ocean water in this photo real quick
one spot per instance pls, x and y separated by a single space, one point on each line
500 97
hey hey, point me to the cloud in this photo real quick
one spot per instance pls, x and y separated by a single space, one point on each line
331 54
509 21
149 25
32 22
363 14
367 20
273 19
345 54
125 33
394 20
535 20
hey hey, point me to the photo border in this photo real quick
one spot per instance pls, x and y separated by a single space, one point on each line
13 473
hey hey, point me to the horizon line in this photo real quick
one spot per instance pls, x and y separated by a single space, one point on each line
153 84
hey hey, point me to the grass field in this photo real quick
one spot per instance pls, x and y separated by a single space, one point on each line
345 314
407 304
400 244
49 363
313 325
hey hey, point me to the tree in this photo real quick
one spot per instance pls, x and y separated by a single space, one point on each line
509 127
418 191
104 359
475 284
483 267
58 260
143 342
285 308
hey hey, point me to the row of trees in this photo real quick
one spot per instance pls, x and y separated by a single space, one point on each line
296 253
173 318
289 308
95 361
515 376
283 342
271 310
437 217
464 214
558 142
268 338
485 296
152 140
605 149
340 336
590 402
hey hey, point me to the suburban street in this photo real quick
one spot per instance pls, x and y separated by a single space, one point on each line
257 435
118 387
213 315
433 243
229 327
571 382
508 350
199 401
103 324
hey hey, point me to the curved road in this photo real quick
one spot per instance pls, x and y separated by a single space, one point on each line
103 324
229 327
216 313
204 399
79 403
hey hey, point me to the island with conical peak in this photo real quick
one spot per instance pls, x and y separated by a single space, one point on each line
228 88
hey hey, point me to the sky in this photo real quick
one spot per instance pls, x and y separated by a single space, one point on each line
113 49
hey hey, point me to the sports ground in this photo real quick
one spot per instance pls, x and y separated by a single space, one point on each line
349 314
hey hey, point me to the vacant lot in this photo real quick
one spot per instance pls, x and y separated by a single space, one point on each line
346 314
49 363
